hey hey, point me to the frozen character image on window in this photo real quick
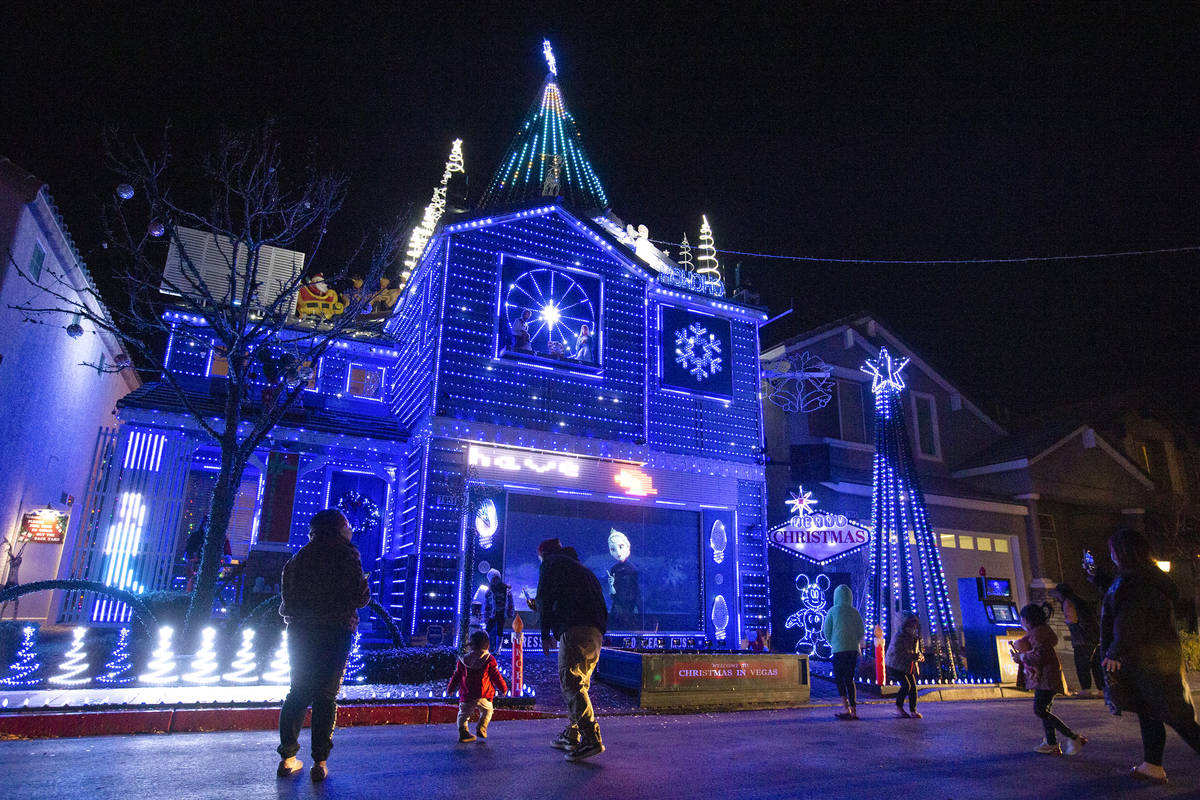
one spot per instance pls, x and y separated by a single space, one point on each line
583 344
624 585
810 618
520 332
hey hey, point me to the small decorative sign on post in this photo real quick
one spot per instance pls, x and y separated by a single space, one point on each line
44 526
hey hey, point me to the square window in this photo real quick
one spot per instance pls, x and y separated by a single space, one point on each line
218 365
36 260
966 542
1001 545
947 540
365 382
983 543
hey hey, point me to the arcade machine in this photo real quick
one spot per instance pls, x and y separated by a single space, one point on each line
990 621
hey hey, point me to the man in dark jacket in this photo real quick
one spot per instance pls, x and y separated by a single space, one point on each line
323 588
572 609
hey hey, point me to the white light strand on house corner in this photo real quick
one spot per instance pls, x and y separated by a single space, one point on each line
433 213
937 261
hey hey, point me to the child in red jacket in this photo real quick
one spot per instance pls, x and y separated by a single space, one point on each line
476 679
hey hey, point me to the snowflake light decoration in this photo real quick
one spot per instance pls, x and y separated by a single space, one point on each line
801 502
885 372
698 351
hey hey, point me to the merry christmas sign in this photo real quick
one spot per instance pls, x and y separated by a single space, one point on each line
816 536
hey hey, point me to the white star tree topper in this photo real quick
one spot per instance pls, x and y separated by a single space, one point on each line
885 372
549 54
801 502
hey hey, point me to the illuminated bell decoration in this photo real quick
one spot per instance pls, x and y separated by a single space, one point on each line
71 671
718 540
125 191
720 617
74 330
486 523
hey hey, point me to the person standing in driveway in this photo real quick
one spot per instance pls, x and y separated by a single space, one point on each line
844 630
571 604
323 588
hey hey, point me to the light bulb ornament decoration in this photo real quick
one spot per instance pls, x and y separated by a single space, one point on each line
74 666
906 568
718 540
244 668
720 617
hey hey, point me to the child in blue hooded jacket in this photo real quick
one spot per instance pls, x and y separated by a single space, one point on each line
843 629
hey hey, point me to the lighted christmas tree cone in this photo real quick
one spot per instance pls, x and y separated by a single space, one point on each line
73 670
204 662
119 669
22 673
906 566
244 668
161 669
354 664
279 670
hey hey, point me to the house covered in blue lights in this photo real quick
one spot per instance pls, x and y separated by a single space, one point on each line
547 372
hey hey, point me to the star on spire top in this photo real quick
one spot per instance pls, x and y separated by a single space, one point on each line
885 372
549 54
801 502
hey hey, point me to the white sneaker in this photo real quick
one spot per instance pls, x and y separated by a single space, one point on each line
1074 747
1048 749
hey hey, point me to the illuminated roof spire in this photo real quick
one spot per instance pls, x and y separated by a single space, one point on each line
547 133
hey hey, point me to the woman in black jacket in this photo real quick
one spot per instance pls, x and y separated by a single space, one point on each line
1142 653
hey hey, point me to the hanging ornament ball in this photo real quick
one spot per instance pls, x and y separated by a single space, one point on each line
74 330
125 191
156 229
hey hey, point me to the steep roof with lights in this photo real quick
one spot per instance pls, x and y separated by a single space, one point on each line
547 139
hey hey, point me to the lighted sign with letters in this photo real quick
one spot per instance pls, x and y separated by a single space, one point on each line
46 525
516 461
816 536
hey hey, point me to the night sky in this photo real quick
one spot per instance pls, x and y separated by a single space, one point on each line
903 131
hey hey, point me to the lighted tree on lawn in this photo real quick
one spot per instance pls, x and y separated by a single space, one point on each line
161 669
244 668
354 665
71 671
119 669
906 567
279 670
23 671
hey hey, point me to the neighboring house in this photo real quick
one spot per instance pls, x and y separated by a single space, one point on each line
831 452
56 394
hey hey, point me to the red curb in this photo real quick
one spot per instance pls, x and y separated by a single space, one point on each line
36 725
96 723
